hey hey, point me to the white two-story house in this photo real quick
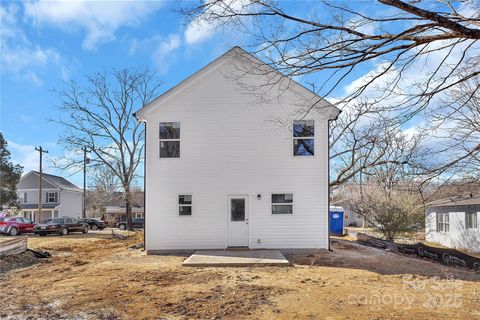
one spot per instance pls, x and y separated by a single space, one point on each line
236 156
60 197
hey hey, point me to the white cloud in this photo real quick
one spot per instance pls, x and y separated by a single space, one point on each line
25 155
161 49
164 52
19 56
200 29
100 20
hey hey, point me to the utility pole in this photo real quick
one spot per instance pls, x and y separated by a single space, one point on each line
40 178
85 161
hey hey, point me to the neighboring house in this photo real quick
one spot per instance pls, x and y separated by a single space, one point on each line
60 197
116 207
234 162
119 212
454 222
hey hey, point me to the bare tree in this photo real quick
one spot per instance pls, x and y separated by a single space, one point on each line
104 187
391 33
99 116
362 142
454 129
418 52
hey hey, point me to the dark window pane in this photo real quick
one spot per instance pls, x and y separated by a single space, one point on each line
471 220
169 130
282 209
238 209
185 210
185 199
282 198
303 128
169 149
303 147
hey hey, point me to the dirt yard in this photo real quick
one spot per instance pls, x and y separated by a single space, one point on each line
95 277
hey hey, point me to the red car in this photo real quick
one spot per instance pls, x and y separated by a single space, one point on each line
16 225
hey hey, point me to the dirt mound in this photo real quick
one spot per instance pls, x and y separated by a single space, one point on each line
21 260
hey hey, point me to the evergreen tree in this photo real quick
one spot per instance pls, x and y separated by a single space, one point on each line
9 176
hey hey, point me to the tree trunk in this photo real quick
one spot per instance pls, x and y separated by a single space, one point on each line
128 207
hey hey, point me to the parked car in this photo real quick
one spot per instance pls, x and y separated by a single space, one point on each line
16 225
137 223
94 224
62 226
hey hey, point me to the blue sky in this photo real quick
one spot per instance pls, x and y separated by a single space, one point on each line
45 43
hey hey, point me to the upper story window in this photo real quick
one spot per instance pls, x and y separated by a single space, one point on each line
443 222
169 139
471 220
303 138
22 197
52 197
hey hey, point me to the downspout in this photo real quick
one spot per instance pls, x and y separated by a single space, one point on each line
145 189
328 185
144 182
328 178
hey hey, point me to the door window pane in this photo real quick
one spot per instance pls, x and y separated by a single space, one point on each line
237 209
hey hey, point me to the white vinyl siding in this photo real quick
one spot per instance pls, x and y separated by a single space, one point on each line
233 143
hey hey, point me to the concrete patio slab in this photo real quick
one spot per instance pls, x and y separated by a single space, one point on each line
236 258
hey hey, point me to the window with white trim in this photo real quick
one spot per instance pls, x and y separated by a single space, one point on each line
443 222
185 205
22 197
471 220
169 140
52 197
303 138
282 203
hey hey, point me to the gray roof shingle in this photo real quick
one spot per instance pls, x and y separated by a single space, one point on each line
60 182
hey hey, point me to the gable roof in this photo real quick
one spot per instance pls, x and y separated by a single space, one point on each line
57 181
238 53
117 200
460 200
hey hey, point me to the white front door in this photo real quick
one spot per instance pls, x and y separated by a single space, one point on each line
237 226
